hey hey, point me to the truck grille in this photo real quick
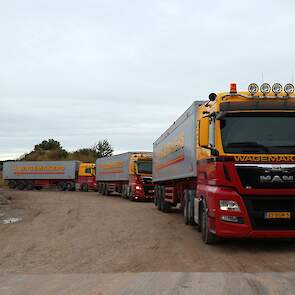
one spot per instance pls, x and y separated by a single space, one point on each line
149 190
266 176
258 206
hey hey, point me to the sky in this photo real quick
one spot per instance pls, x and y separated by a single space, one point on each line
80 71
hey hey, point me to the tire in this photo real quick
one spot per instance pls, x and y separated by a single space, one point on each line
84 187
190 207
207 237
185 208
29 186
124 191
21 186
164 205
12 184
61 186
156 197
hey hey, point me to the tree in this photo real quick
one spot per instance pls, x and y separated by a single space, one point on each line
103 149
47 145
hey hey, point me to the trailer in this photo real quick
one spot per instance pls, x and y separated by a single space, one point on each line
129 174
229 164
65 175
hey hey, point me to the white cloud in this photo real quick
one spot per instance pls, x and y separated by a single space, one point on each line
80 71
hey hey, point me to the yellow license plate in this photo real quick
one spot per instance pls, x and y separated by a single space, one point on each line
279 215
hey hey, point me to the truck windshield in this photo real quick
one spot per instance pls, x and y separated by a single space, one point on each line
258 133
145 167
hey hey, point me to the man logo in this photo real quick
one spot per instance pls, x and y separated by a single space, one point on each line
276 179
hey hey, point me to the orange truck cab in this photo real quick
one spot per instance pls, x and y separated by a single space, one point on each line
86 177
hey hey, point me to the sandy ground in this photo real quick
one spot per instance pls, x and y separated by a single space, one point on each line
71 233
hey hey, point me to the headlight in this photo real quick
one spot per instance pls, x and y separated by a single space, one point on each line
289 88
265 88
253 88
277 88
228 205
138 187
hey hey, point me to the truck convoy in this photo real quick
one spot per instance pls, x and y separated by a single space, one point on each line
129 174
65 175
230 164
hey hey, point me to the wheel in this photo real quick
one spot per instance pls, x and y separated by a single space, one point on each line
69 187
99 188
12 184
164 205
156 197
124 191
185 208
21 186
84 187
29 186
61 186
159 197
207 236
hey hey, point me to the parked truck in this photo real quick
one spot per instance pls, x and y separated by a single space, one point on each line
129 174
229 163
65 175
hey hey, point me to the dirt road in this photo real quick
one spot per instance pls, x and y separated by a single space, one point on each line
72 232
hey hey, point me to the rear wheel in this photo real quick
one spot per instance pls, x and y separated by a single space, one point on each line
29 186
12 184
21 186
61 186
85 187
164 205
156 196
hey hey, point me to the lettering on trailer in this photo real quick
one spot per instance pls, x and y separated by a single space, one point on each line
18 170
264 158
111 168
177 145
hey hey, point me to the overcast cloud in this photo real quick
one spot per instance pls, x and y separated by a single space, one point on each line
80 71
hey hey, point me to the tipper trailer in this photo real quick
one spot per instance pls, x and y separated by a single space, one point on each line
129 174
65 175
230 164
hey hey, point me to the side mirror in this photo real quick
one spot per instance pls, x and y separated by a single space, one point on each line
204 132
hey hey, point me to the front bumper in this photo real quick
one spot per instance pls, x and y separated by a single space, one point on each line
252 209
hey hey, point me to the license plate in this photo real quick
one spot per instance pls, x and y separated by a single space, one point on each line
278 215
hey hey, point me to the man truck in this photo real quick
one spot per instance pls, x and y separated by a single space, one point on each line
229 163
129 174
65 175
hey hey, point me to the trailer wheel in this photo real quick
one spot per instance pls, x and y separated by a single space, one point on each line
12 184
21 186
156 196
124 191
61 186
29 186
165 207
207 237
